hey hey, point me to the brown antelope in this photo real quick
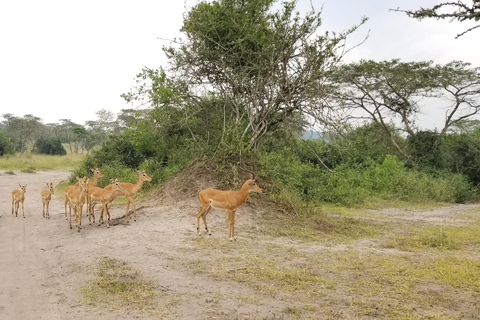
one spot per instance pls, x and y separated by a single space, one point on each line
46 197
104 196
73 188
129 190
96 174
77 199
18 196
224 199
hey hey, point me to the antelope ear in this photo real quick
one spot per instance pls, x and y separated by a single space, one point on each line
91 169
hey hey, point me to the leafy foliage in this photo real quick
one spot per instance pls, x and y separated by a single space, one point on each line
23 130
461 154
392 91
51 146
424 150
6 144
354 185
267 67
121 150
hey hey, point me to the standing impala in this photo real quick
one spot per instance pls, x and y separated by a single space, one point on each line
129 190
224 199
77 199
96 174
104 196
18 196
68 190
46 197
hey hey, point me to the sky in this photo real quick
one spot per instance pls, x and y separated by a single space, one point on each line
69 59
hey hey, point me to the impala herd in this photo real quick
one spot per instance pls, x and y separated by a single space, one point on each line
86 192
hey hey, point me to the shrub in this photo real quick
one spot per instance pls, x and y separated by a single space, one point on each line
119 149
6 145
50 146
360 184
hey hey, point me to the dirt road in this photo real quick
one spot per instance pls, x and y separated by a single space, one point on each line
26 276
44 264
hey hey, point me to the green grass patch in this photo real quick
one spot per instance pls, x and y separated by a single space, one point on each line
270 274
36 162
118 286
458 272
399 286
437 237
379 274
340 226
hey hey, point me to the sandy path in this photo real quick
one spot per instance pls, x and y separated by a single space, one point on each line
44 264
25 278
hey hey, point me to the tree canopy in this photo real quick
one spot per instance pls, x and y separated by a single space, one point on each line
266 68
457 10
389 91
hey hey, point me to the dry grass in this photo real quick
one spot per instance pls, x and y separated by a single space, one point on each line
351 265
117 286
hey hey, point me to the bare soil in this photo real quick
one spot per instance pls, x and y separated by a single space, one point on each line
44 264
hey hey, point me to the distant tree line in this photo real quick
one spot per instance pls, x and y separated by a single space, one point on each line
28 133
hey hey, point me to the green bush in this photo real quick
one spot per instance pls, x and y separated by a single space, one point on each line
50 146
391 180
360 184
119 150
6 145
461 154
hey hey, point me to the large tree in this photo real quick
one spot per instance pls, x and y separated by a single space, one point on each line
393 92
24 130
267 68
66 132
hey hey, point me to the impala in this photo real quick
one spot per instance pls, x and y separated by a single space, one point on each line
18 196
96 174
103 196
129 190
77 198
73 188
46 197
224 199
